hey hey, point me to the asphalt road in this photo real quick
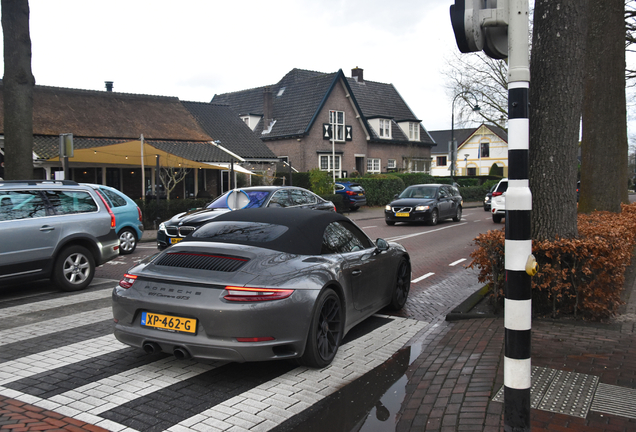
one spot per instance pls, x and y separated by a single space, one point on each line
59 353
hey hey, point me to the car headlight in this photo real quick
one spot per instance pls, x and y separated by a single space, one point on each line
422 208
162 227
387 207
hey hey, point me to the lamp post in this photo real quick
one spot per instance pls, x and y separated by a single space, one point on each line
453 143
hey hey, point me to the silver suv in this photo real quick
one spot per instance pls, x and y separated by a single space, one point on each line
54 229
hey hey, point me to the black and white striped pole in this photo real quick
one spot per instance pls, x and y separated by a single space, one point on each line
501 29
519 262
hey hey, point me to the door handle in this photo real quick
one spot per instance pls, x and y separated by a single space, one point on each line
356 272
46 228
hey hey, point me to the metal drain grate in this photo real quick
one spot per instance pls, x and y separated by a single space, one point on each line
570 393
610 399
561 392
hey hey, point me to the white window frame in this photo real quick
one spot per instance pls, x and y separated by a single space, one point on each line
414 131
337 122
324 163
391 163
374 165
385 128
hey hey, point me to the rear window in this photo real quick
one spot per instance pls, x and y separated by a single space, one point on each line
239 232
502 187
356 187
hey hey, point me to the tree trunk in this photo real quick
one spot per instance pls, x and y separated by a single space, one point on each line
18 85
556 93
604 145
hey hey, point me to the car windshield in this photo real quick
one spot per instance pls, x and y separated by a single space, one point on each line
257 199
419 192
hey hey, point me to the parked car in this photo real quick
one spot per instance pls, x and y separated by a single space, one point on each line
54 229
353 195
261 284
488 198
498 203
178 227
425 203
128 215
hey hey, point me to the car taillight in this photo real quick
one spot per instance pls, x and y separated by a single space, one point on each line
127 281
494 194
244 294
139 211
110 212
352 193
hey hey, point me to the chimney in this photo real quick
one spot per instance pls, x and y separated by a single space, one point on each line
268 102
357 74
109 86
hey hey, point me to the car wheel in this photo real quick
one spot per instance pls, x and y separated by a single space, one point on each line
389 223
74 269
127 241
458 215
496 218
434 217
486 208
402 285
325 333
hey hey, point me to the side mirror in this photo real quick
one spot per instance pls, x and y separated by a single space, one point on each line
381 245
395 196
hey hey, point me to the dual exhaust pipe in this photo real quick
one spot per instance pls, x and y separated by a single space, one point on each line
180 353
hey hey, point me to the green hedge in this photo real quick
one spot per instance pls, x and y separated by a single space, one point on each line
380 191
154 212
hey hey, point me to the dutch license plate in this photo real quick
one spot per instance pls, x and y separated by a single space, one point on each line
175 240
402 214
168 322
360 194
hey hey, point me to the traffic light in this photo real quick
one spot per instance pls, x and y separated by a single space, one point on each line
481 25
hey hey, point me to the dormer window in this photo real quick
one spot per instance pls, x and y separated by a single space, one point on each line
385 128
414 131
337 120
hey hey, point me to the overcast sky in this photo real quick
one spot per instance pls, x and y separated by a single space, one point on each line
194 49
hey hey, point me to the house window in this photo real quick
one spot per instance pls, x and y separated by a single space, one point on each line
246 119
414 131
484 151
337 120
326 164
391 164
373 165
417 165
385 128
441 161
471 171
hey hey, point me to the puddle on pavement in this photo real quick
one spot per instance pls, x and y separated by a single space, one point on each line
369 404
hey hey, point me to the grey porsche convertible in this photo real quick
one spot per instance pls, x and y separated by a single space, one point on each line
261 284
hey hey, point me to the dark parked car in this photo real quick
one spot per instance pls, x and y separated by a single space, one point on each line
175 229
353 195
261 284
425 203
54 229
488 198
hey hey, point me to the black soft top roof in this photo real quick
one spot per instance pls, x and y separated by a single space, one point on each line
305 227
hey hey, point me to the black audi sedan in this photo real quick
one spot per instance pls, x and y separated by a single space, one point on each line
174 230
425 203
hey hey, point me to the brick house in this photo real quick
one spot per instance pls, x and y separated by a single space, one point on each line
308 116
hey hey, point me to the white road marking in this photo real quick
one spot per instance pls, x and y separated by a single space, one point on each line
425 232
372 226
457 262
422 277
55 303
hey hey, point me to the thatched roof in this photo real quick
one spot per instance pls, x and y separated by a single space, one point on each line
102 114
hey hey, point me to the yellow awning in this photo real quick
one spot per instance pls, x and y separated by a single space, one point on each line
129 153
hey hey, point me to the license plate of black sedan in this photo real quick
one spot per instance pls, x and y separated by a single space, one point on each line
169 322
402 214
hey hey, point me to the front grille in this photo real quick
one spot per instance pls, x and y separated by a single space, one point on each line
185 230
171 230
402 209
201 261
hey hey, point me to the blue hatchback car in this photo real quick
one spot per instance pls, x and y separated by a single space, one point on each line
128 220
353 195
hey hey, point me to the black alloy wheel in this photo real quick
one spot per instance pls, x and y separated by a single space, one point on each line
402 285
434 217
325 333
